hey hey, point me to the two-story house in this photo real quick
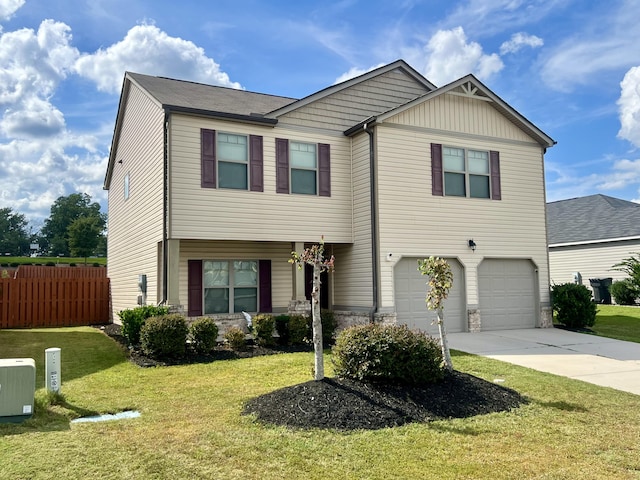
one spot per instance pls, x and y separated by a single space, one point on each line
211 188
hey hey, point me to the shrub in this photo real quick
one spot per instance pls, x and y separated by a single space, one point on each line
133 319
235 338
282 327
50 264
164 336
299 329
263 327
329 326
572 305
204 335
387 353
624 292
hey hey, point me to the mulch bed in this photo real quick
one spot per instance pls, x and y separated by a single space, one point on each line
343 404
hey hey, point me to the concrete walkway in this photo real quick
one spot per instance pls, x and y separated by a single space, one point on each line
599 360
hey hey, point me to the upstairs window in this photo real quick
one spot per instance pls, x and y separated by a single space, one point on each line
233 158
230 160
304 167
466 173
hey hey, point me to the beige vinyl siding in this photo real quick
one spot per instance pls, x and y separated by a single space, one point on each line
350 106
224 214
413 222
278 253
591 261
135 225
353 275
461 114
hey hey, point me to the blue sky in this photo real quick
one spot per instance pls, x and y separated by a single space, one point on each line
571 67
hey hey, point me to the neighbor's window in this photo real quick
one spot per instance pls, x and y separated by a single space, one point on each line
304 167
466 172
230 286
126 186
232 153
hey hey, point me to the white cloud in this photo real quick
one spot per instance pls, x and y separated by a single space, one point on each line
8 8
355 72
147 49
520 40
449 56
629 107
607 43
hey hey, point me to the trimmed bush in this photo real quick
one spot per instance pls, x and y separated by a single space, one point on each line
133 319
573 306
263 327
204 335
164 336
387 353
235 338
624 292
282 327
329 326
299 330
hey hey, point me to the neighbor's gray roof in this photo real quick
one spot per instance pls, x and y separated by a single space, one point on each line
197 96
592 218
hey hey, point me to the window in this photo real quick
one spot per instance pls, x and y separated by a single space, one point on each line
231 161
233 158
303 168
230 286
304 165
126 186
466 173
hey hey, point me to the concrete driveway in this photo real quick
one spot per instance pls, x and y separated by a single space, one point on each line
599 360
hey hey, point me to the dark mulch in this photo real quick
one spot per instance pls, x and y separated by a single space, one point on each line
342 404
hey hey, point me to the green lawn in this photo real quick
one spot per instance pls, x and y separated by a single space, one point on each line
622 323
191 427
4 260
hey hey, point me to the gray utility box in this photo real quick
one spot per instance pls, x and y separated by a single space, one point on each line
17 389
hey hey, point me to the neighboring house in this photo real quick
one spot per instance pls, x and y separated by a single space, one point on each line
588 235
210 189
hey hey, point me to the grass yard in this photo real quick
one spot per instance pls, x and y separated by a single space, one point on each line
191 427
620 322
5 260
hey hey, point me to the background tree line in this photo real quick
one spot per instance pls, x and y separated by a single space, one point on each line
75 227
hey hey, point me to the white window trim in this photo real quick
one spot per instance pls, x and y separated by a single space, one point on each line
231 287
315 170
220 159
466 172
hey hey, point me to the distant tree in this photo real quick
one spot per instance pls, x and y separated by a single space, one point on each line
631 266
65 211
314 256
14 236
84 237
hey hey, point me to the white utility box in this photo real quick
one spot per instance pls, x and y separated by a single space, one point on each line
17 389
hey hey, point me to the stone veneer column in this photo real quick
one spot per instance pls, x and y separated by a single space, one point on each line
475 322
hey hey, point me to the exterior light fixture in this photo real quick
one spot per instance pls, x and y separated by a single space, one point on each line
472 245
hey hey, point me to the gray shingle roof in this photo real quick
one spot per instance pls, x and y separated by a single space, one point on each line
180 93
595 217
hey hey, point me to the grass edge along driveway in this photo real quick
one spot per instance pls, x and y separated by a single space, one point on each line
191 425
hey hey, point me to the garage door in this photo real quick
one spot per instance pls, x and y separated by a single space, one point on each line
507 289
410 292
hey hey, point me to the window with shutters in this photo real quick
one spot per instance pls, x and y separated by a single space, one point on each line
464 172
230 286
303 168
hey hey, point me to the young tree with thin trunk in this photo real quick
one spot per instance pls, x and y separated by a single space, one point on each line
440 282
314 256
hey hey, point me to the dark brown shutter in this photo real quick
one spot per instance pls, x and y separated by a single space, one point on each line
324 170
437 187
264 273
194 288
208 158
282 165
256 163
496 193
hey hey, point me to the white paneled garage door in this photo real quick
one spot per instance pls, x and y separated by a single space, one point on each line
411 290
507 289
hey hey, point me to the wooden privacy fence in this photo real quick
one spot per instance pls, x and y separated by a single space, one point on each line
38 271
53 302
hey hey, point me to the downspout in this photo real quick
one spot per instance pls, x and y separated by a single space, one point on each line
374 223
165 204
